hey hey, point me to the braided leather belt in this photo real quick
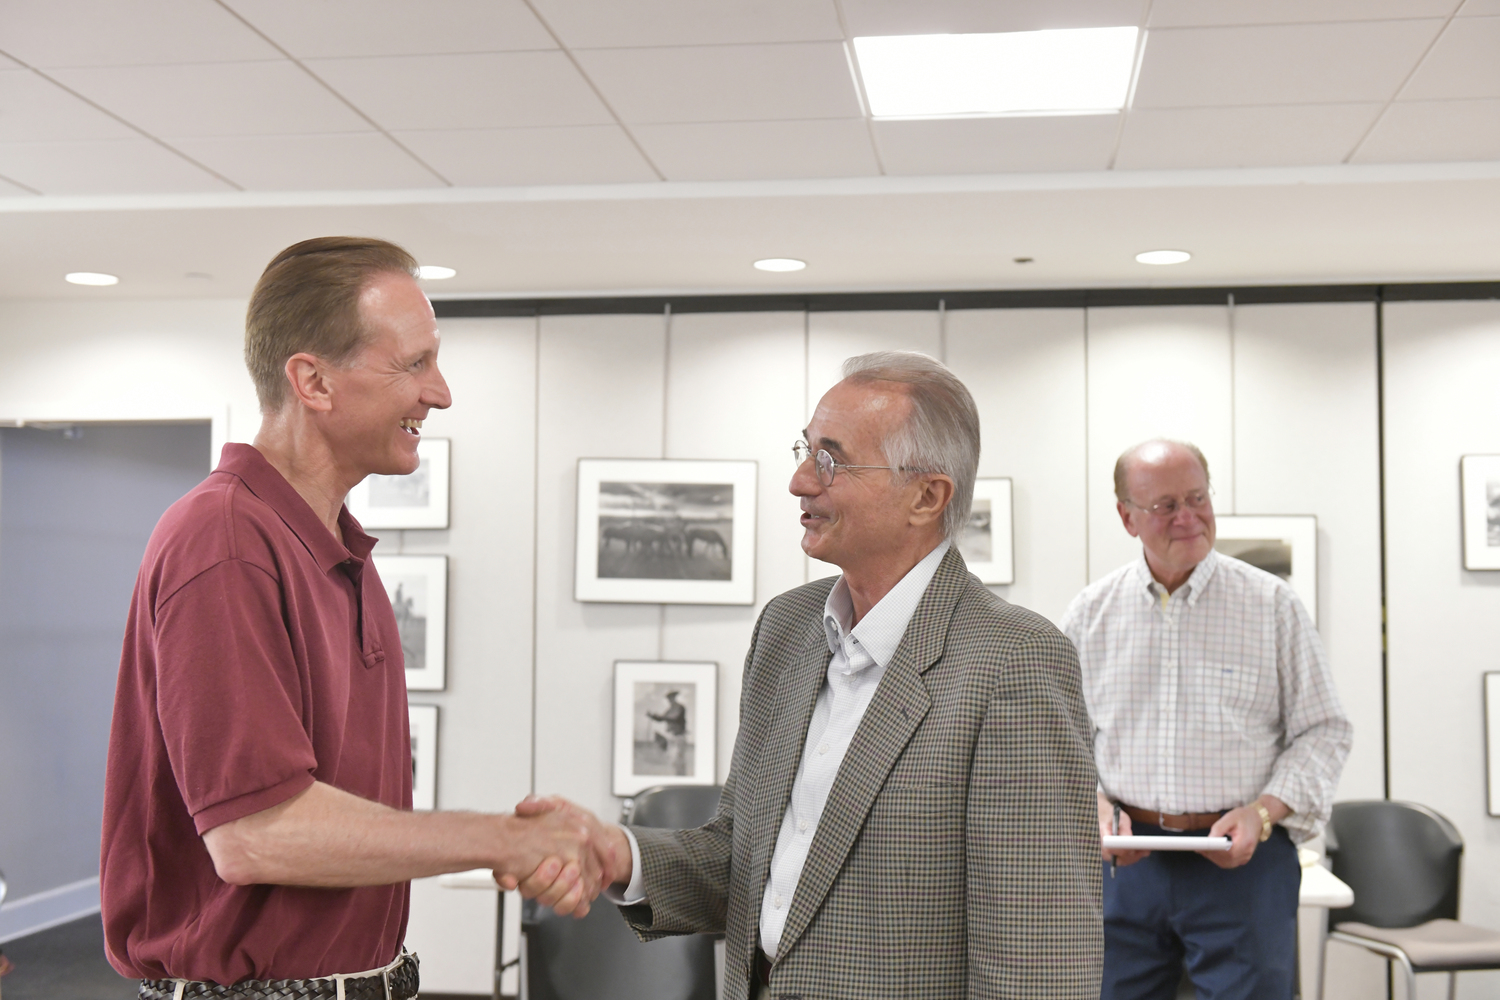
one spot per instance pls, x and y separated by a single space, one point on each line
399 981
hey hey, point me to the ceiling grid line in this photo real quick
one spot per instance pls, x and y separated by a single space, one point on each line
1135 79
577 66
15 183
123 121
852 58
341 98
1405 81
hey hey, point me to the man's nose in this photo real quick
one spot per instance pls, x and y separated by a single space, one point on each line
437 395
804 481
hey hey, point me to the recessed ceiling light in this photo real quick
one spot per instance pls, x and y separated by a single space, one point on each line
1163 257
780 264
90 278
1058 72
435 272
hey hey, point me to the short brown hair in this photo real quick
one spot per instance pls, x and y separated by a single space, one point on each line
1123 462
307 300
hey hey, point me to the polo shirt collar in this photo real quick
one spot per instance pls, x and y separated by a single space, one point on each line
1196 582
261 478
880 631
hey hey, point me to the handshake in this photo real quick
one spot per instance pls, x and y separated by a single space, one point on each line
561 855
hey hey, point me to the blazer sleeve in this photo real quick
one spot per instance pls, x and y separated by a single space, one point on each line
1034 907
686 873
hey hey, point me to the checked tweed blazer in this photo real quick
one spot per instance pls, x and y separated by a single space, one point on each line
958 854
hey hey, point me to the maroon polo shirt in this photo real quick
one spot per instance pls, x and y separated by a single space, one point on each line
260 655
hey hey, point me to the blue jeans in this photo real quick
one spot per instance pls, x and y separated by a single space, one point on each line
1234 929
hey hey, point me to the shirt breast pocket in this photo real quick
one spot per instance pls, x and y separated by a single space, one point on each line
1231 696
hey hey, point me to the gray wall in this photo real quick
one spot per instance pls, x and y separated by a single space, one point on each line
75 515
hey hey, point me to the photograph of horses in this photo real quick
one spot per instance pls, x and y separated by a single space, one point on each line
666 531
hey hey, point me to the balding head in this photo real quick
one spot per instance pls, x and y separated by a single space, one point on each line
1157 451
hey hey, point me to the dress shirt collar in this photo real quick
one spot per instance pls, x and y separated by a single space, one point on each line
880 631
1196 582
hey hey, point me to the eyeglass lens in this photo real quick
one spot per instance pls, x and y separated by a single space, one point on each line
1168 507
822 461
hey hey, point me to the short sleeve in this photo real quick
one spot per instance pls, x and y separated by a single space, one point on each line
230 695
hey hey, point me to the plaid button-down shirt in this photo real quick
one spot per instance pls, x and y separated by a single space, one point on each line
1206 698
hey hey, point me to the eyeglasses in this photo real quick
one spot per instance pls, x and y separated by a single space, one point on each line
826 466
1196 500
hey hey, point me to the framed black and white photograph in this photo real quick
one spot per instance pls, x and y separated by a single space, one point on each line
654 531
665 715
419 500
1480 475
987 540
1284 545
418 589
423 720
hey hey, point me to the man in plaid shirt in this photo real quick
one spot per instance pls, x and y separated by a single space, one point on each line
1214 714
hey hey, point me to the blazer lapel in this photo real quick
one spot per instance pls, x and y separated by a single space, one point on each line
897 709
796 695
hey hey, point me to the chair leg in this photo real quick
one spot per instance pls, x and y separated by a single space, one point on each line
1411 978
1322 965
1452 985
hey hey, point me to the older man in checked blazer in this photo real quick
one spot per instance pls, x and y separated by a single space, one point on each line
910 811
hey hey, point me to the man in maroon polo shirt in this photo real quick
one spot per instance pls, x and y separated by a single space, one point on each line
257 821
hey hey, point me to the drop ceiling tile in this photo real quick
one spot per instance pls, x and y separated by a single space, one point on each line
395 27
34 109
723 151
244 98
725 82
1277 136
592 154
349 160
1465 62
1479 8
1203 13
643 23
935 17
996 145
103 166
1433 132
1280 64
472 91
139 33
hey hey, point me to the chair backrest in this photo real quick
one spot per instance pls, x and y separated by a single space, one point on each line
600 957
1401 859
675 807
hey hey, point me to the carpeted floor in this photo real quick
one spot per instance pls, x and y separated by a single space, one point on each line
65 963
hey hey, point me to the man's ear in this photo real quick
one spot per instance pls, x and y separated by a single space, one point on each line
1125 518
307 375
934 494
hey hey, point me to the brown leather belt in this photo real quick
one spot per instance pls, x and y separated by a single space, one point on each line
1181 823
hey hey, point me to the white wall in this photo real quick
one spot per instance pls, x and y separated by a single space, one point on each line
1281 398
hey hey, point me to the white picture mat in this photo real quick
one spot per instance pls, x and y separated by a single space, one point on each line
432 571
1492 739
1150 843
1300 530
1000 569
435 454
1476 472
423 720
705 676
738 589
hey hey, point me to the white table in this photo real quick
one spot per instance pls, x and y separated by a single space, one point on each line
483 878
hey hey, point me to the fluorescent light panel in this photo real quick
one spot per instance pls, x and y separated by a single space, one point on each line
1058 72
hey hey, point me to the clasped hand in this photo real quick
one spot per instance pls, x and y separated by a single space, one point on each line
562 856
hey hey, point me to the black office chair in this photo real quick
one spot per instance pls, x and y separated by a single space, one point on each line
599 957
1403 860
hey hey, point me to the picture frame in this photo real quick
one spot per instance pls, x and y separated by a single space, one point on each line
1479 478
423 722
1285 545
665 531
419 500
1492 740
665 731
418 590
988 540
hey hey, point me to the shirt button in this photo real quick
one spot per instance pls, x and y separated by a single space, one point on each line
802 826
822 748
777 902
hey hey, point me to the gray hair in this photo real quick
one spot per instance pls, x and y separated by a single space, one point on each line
1122 464
942 432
